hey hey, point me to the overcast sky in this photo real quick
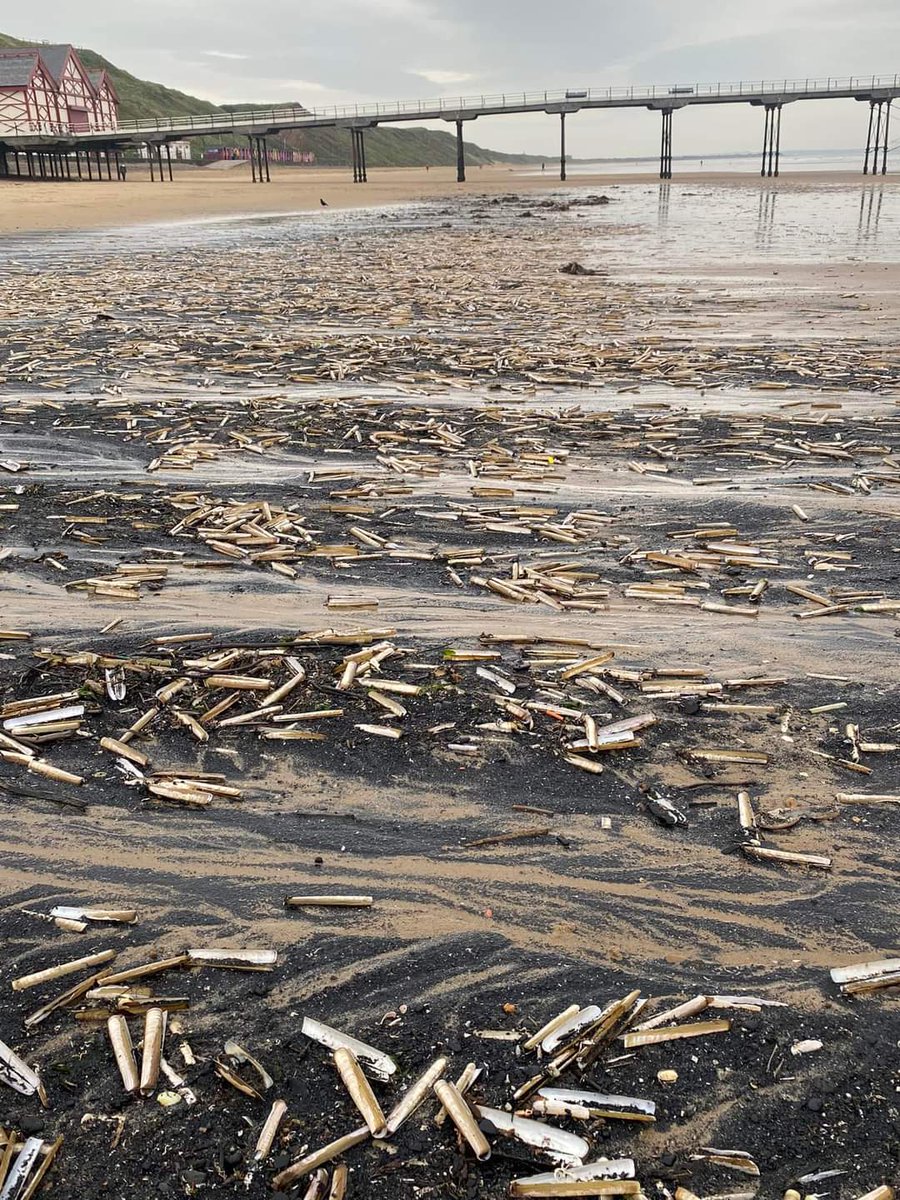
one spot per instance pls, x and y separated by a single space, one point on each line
322 52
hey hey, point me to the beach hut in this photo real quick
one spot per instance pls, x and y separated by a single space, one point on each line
28 94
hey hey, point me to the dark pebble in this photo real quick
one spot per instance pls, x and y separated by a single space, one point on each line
31 1124
668 1159
815 1103
193 1176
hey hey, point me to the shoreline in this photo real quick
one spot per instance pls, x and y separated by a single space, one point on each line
31 207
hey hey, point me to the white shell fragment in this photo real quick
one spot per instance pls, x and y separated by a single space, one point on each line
866 970
563 1032
599 1104
15 1182
69 713
381 1065
810 1046
247 960
15 1072
565 1148
577 1181
126 916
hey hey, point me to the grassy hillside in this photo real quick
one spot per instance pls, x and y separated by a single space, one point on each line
388 147
392 146
137 97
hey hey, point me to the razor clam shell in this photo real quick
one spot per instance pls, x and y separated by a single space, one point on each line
865 970
125 916
256 959
42 718
568 1149
381 1065
598 1100
21 1168
17 1073
581 1019
612 1168
233 1050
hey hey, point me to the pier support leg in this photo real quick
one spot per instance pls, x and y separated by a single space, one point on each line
68 163
169 160
877 136
768 122
29 163
108 165
869 137
562 146
265 158
460 154
358 152
665 151
149 156
771 154
887 124
4 164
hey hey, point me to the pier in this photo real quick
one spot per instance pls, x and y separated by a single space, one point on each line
47 149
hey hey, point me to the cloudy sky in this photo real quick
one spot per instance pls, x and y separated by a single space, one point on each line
323 52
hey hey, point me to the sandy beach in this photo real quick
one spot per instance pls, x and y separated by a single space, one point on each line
524 563
210 192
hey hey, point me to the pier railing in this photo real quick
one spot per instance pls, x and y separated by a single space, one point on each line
680 92
450 107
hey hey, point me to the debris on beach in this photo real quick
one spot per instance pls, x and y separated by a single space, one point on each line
446 720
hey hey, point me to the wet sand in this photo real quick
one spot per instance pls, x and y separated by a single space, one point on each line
197 193
641 394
